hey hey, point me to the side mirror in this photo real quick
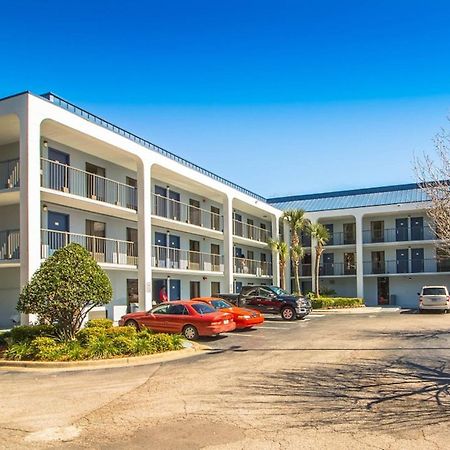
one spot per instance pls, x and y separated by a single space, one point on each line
418 293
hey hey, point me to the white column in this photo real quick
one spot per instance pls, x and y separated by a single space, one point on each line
287 270
30 197
144 183
275 254
359 257
228 243
313 260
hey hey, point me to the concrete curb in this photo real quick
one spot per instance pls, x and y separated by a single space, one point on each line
131 361
360 310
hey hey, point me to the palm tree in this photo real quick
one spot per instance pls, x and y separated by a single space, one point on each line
283 250
297 222
321 236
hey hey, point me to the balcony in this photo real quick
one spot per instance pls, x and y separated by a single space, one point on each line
103 250
252 232
336 269
63 178
425 233
407 266
9 174
175 258
243 266
9 245
341 238
182 212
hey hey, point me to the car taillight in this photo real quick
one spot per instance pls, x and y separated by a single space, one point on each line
420 299
448 298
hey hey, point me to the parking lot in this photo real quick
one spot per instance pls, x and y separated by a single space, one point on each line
371 380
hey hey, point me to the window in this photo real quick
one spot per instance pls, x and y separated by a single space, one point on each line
215 257
330 228
194 255
96 182
264 237
215 218
265 293
378 262
377 231
195 289
220 304
250 229
131 197
349 233
203 308
194 212
179 310
434 291
349 264
163 309
132 246
132 292
96 244
215 288
238 230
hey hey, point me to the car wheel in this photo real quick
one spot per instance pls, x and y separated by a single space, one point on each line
190 332
288 313
132 323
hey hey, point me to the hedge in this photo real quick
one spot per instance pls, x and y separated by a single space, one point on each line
99 340
336 302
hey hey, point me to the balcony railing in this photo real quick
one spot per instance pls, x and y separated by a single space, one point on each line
103 250
175 258
406 266
9 245
341 238
424 233
337 269
252 267
61 177
9 174
183 212
248 231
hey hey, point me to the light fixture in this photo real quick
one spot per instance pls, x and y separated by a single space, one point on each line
45 144
44 207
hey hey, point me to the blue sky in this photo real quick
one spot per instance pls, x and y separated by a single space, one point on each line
283 97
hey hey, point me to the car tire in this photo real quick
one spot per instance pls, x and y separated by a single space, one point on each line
288 313
190 332
132 323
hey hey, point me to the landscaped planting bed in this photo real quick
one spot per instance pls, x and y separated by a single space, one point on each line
98 340
336 302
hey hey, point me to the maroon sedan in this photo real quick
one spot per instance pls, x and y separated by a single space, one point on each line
189 318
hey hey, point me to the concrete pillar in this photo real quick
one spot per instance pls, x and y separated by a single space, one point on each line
275 254
30 197
313 260
359 257
144 182
228 251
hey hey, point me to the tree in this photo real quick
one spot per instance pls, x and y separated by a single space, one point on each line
65 288
433 173
283 250
297 222
321 236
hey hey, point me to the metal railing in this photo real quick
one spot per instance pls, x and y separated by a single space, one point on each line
248 231
336 269
424 233
10 174
103 250
408 266
175 258
61 177
252 267
183 212
138 140
341 238
9 245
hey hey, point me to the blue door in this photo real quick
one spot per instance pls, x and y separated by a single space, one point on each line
330 228
416 228
58 174
328 264
58 226
160 249
417 261
174 251
402 261
401 229
175 290
160 201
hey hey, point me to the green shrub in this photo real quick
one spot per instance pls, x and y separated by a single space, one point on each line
19 351
65 288
5 338
86 334
45 349
100 347
99 323
123 345
27 333
336 302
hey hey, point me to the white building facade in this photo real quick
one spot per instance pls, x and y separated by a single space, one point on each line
382 246
148 217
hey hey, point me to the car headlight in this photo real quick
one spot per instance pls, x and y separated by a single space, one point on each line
243 317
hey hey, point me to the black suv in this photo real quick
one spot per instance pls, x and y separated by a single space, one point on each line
271 300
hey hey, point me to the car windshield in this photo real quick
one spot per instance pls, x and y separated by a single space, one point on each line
203 308
277 290
434 291
220 304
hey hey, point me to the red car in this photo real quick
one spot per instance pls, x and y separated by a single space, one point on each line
189 318
244 318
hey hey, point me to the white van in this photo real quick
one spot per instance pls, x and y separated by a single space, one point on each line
434 298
